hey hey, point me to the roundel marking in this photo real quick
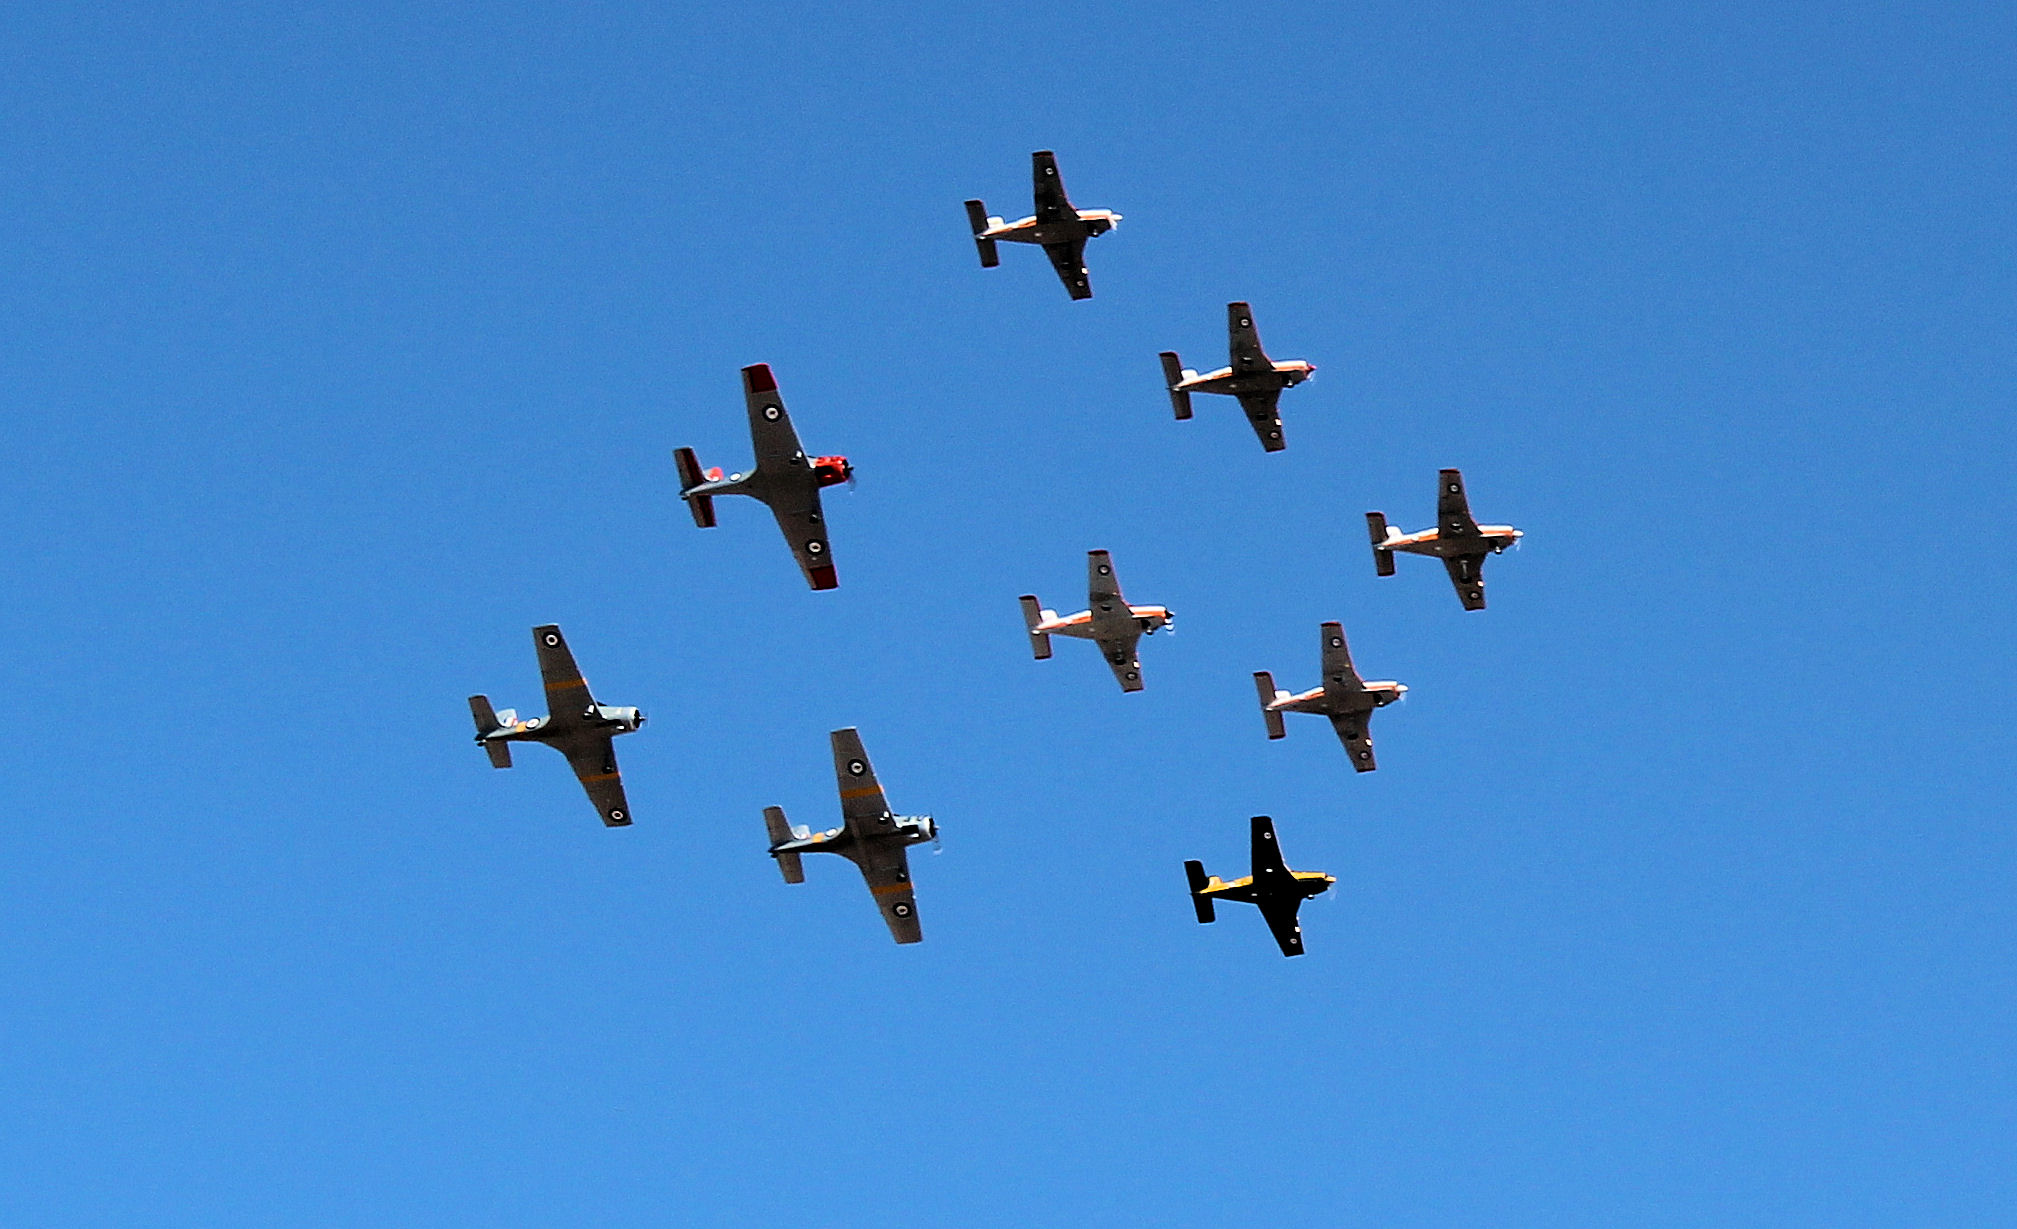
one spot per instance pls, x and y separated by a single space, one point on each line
552 639
1365 755
616 814
856 767
534 723
901 908
771 412
1105 570
814 547
1336 641
1454 488
1244 322
1133 675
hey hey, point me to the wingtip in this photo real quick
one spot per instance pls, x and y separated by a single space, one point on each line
759 379
825 578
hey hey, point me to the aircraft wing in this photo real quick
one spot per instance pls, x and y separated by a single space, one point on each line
566 691
1267 854
1355 731
888 876
1052 205
770 431
1453 511
1101 583
1248 357
1124 662
1467 574
803 523
861 798
1264 414
1339 675
595 764
1281 918
1069 259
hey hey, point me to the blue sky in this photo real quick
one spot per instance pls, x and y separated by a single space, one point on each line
344 343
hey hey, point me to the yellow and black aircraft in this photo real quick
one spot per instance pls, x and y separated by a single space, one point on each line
1277 890
574 725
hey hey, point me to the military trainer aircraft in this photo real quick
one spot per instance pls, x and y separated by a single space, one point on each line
1345 698
1110 623
869 836
783 477
1253 377
574 725
1460 542
1058 228
1279 891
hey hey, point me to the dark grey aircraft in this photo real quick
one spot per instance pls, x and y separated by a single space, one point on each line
1460 542
1110 623
1345 698
574 725
1253 377
870 836
1058 228
783 477
1279 891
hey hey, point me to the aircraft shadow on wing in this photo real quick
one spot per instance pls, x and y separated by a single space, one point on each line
574 725
783 478
1108 621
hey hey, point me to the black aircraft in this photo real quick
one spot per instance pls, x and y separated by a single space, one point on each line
783 478
1279 891
1344 697
870 836
1460 542
574 725
1061 230
1252 377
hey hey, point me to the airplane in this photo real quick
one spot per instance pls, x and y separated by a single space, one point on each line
1253 377
1277 890
783 477
1345 698
1061 230
869 836
1460 542
1111 623
574 725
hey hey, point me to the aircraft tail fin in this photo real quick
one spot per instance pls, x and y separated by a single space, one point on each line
1173 375
788 862
976 216
702 506
487 723
1376 526
1033 615
1199 901
1264 683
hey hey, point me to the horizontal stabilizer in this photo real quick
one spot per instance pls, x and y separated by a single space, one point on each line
1264 683
1376 528
1199 901
499 753
1033 614
487 723
788 862
1173 375
976 216
702 506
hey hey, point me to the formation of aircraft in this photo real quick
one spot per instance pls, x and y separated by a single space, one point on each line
1060 230
870 835
788 481
1460 542
1252 377
1276 890
782 477
1108 621
1344 697
574 725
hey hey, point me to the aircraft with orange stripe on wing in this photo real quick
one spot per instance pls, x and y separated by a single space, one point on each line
1056 226
1251 377
870 835
783 478
574 725
1460 542
1344 697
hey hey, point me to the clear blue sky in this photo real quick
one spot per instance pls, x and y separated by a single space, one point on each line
341 344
